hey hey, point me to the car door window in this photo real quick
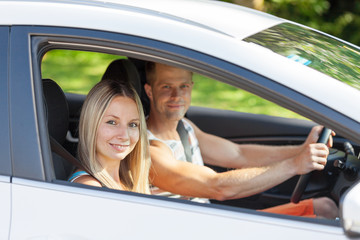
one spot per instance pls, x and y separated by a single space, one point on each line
81 69
225 96
70 69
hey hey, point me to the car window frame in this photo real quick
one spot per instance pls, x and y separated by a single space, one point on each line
148 49
5 149
5 153
27 156
44 38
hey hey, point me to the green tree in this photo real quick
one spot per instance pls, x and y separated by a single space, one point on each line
336 17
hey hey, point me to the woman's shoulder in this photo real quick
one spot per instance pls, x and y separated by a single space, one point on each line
83 177
78 173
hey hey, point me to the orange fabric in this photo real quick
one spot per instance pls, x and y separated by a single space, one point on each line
304 208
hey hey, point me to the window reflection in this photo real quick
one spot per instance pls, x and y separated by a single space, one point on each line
318 51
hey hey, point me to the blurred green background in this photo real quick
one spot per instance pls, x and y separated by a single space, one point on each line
78 72
340 18
336 17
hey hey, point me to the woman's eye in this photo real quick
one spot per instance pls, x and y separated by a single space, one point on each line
133 125
111 122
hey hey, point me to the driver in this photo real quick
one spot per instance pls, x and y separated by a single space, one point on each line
257 167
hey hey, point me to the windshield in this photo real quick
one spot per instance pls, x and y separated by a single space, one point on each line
323 53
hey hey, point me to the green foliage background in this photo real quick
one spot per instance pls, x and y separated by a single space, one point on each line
78 72
340 18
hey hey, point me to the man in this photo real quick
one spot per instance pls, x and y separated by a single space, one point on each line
258 168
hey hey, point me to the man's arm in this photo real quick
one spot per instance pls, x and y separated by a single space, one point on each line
192 180
222 152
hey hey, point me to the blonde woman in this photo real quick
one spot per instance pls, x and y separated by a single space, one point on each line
113 144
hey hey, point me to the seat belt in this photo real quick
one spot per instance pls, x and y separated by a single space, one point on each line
184 137
62 152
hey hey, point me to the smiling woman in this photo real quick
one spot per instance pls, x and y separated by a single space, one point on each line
113 146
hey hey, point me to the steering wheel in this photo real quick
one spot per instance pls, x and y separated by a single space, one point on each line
305 178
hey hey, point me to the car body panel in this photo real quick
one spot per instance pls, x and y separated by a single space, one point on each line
5 163
5 206
5 154
53 222
348 204
221 15
180 11
26 153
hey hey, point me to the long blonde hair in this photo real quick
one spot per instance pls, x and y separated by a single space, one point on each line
134 169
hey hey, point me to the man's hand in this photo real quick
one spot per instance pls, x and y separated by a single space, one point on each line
315 134
313 155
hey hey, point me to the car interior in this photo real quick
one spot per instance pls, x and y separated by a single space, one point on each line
57 114
63 112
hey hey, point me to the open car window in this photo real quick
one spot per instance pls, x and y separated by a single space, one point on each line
78 71
245 118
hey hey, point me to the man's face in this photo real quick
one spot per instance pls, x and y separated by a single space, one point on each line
170 93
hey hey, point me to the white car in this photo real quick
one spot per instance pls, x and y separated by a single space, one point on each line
299 68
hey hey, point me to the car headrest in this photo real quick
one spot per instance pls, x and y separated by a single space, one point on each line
140 66
130 70
57 110
123 70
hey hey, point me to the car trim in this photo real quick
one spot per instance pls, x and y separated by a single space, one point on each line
5 179
5 147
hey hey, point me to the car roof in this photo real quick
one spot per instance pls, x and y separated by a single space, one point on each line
225 18
221 17
217 30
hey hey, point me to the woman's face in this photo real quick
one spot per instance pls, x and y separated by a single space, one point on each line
118 131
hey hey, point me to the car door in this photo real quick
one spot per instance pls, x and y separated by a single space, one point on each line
45 207
239 127
5 163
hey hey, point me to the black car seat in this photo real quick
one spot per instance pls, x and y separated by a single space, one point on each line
57 114
140 66
126 70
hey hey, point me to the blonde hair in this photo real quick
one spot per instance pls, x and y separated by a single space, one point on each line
134 169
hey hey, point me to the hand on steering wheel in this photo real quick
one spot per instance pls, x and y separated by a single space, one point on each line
305 178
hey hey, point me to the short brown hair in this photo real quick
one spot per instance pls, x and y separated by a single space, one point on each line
150 72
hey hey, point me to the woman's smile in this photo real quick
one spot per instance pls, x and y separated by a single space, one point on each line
120 147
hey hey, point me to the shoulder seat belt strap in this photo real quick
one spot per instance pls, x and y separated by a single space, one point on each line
184 137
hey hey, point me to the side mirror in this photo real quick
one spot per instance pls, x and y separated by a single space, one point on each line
350 211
